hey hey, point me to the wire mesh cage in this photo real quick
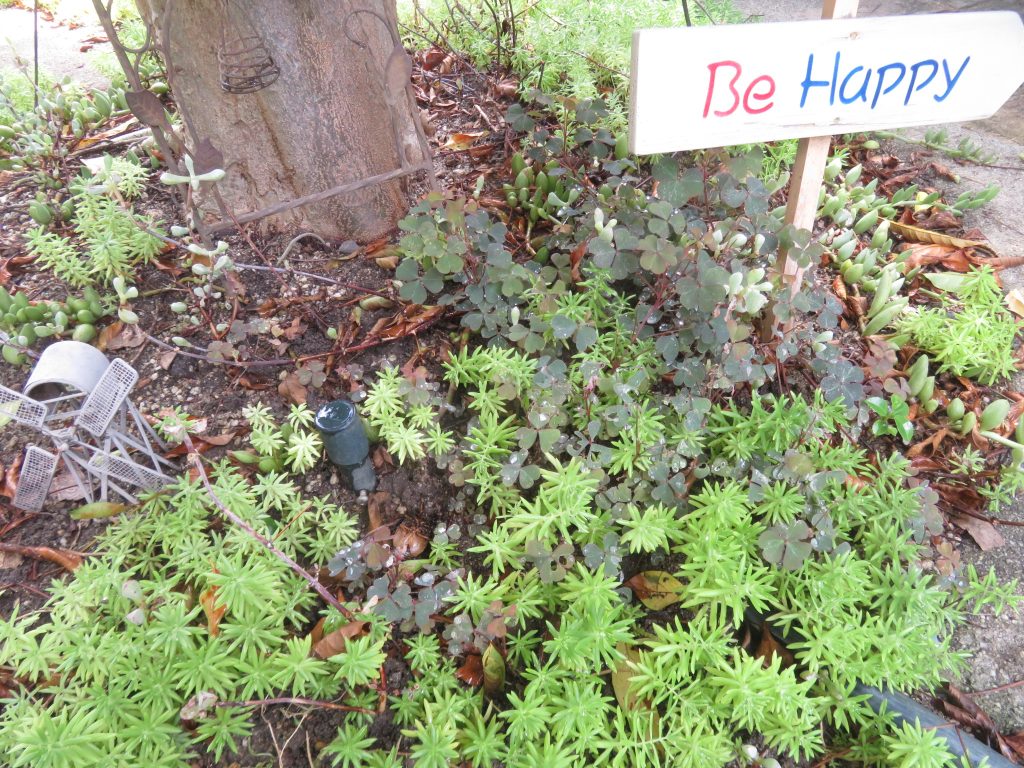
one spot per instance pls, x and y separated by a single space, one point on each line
37 469
80 401
107 399
246 65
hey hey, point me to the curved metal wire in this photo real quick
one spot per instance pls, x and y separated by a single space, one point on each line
246 65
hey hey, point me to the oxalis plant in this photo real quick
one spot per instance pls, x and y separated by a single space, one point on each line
697 291
772 513
582 460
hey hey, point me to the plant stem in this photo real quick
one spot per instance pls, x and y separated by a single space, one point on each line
293 700
1001 440
998 688
197 462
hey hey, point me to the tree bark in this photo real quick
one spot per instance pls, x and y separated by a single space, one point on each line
326 121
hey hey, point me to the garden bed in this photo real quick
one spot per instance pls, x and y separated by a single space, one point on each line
593 462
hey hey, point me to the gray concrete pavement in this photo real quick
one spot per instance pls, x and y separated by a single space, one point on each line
60 47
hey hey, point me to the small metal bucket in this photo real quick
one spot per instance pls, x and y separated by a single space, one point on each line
63 367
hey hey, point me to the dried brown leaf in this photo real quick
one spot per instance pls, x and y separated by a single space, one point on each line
1015 302
656 589
334 642
506 89
940 220
1016 742
921 234
406 322
130 337
376 506
10 478
147 106
65 488
382 459
10 560
769 647
408 543
944 172
253 382
432 58
983 532
621 675
222 439
291 389
164 359
472 670
295 330
931 444
107 334
926 254
214 613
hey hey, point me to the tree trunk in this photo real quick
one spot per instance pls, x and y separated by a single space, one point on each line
324 122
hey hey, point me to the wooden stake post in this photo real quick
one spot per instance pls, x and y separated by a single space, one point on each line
699 87
809 168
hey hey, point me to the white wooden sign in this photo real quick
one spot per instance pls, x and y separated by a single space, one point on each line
697 87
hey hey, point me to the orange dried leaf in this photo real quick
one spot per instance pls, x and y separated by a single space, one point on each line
461 141
472 671
656 589
409 543
107 334
769 647
334 642
214 613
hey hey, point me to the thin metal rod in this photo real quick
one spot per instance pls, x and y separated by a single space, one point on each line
317 197
35 52
706 12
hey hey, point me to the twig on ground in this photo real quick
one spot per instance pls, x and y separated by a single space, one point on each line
312 276
296 239
298 701
197 463
65 559
998 688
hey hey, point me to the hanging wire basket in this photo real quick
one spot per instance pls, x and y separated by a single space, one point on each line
246 65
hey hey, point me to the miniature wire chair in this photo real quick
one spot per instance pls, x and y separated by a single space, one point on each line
79 400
